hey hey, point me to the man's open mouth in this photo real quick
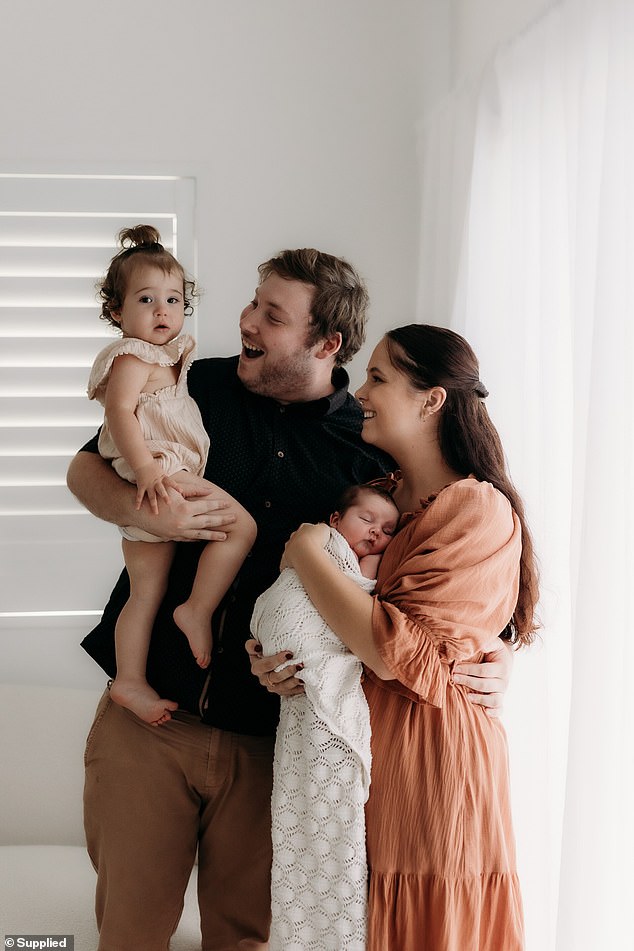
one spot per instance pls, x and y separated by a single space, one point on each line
250 352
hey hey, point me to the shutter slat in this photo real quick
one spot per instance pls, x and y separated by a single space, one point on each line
17 231
55 410
33 499
46 291
42 440
56 351
53 322
33 470
33 261
47 381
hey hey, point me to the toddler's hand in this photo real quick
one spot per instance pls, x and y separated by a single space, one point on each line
151 480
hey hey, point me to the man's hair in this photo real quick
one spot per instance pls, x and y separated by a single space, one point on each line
340 300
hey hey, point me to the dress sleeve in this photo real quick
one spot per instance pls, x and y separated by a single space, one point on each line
449 586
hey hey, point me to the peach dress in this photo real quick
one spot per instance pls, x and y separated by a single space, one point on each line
440 840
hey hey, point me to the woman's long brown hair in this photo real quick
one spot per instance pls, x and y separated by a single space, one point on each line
435 356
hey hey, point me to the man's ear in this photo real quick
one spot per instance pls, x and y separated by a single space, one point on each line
329 346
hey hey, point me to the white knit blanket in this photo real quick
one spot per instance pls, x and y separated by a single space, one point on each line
321 774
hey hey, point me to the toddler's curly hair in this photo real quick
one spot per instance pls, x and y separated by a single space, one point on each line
139 245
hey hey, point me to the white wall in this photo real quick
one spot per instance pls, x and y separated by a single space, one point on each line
297 119
480 26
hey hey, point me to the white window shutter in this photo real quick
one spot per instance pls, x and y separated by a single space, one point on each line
57 235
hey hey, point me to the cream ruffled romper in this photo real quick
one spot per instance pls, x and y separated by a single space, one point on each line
169 418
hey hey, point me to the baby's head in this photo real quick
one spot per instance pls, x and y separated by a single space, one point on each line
367 517
141 249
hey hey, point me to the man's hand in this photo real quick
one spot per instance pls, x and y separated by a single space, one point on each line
282 682
195 518
192 486
204 515
488 680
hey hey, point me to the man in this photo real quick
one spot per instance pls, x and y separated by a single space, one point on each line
285 440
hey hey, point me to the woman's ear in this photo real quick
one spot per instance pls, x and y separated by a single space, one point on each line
434 400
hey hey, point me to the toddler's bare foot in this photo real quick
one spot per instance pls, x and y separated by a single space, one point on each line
197 630
138 696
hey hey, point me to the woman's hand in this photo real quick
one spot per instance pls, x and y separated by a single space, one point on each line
282 682
489 680
307 535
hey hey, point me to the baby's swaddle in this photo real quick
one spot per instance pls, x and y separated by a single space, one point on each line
321 773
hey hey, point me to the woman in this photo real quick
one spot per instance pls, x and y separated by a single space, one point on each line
459 570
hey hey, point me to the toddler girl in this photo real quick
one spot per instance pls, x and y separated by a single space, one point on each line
153 429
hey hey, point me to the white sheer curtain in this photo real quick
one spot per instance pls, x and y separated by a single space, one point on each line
528 249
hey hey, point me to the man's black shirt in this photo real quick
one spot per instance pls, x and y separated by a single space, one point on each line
286 464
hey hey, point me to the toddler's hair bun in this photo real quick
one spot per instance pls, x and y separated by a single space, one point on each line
140 235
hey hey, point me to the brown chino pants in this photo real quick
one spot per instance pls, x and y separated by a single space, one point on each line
153 795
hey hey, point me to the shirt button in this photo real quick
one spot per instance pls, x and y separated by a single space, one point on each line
280 453
267 505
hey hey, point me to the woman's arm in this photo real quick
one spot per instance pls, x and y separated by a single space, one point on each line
348 611
344 606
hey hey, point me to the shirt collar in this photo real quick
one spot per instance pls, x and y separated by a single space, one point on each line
326 404
313 409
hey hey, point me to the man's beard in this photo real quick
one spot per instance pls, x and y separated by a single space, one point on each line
287 379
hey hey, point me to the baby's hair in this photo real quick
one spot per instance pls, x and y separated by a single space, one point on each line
139 245
350 496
